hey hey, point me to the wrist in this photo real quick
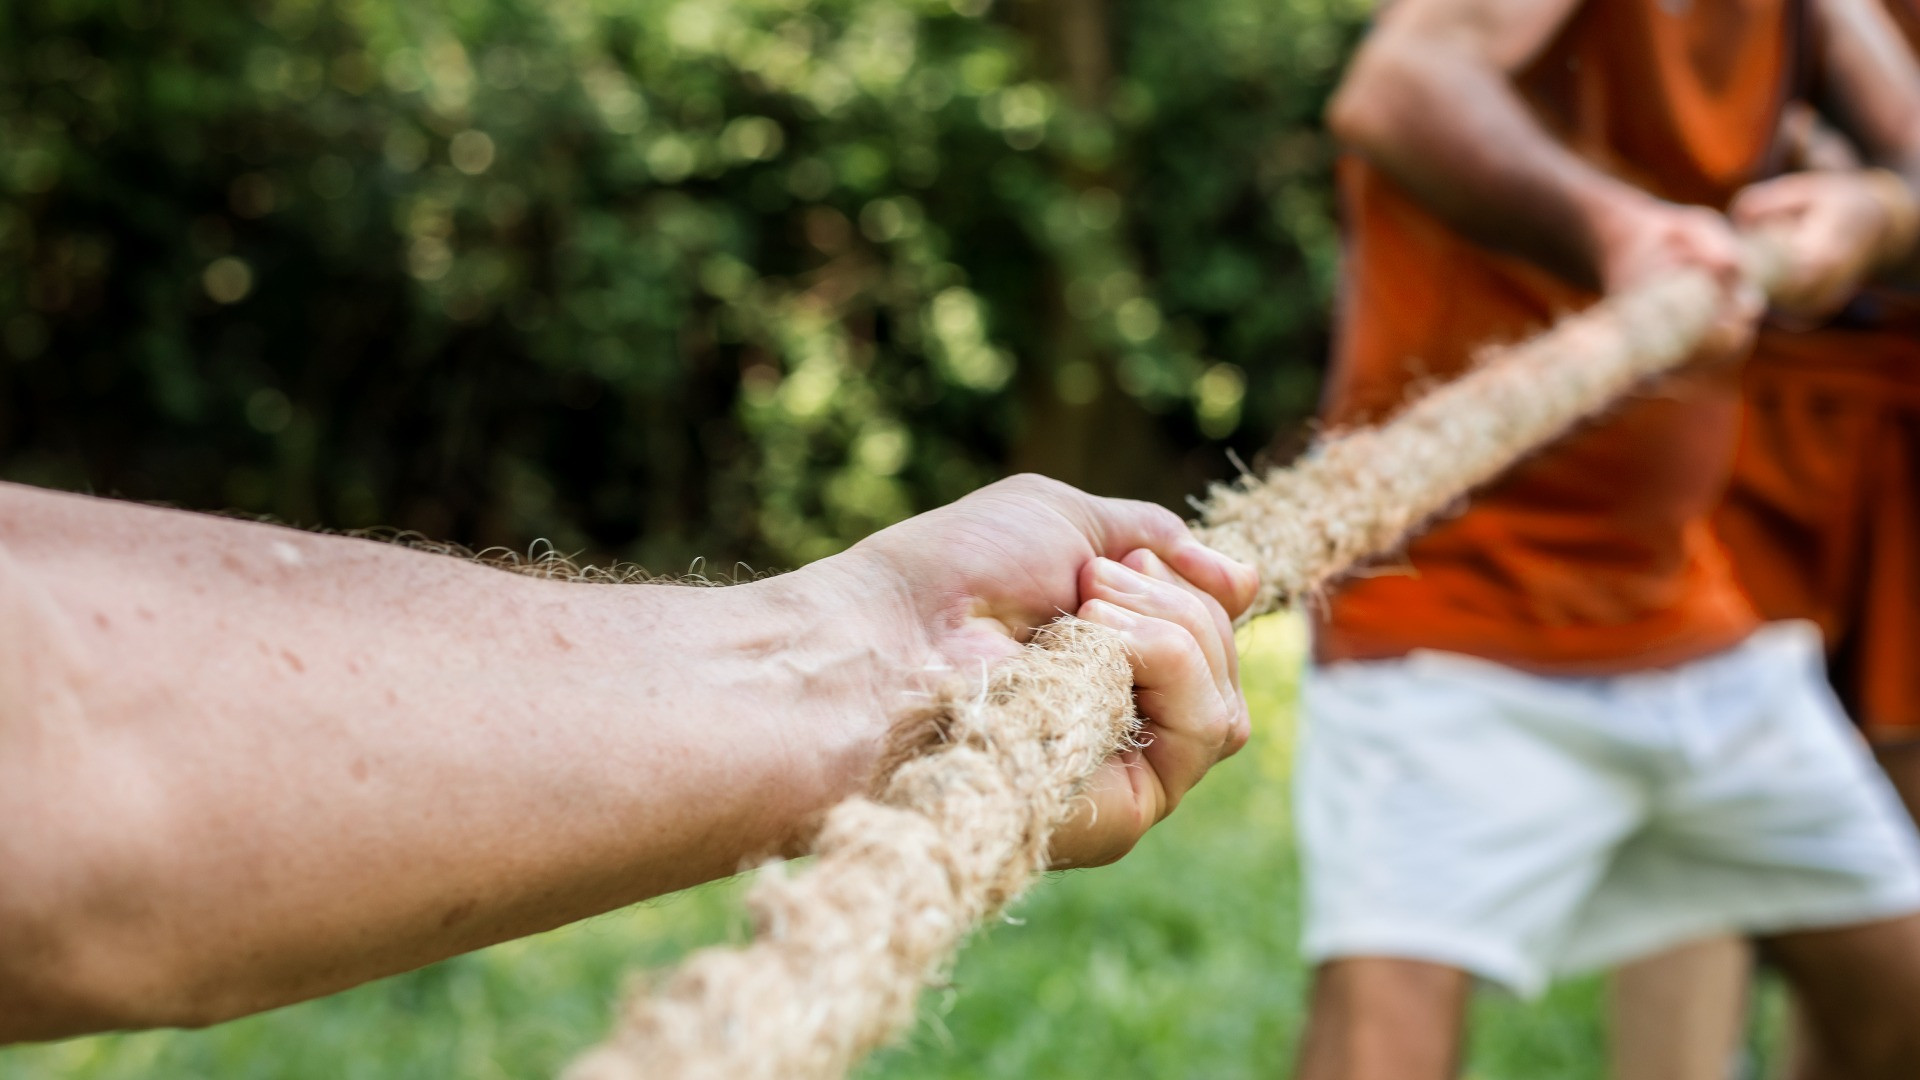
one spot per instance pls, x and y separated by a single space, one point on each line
1901 211
1618 219
843 658
766 703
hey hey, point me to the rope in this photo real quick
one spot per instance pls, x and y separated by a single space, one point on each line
842 949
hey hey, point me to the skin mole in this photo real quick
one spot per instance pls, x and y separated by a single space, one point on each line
458 913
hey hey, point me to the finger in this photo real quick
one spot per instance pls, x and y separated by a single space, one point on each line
1767 202
1822 286
1121 802
1146 562
1118 526
1732 334
1745 306
1231 583
1112 527
1821 283
1189 726
1123 586
1748 207
1711 244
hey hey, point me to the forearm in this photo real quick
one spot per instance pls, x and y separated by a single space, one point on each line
1873 90
1896 256
1872 84
1481 162
354 759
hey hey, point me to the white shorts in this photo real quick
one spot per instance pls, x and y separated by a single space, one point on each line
1519 826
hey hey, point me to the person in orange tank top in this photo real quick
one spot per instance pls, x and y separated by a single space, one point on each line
1557 735
1822 522
1822 517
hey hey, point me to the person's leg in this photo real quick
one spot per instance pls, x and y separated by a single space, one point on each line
1452 819
1801 1057
1808 1057
1377 1018
1901 760
1873 671
1779 825
1859 993
1679 1014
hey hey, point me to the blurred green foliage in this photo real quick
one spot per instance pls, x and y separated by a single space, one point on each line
741 278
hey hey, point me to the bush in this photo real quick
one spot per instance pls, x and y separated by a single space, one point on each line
736 278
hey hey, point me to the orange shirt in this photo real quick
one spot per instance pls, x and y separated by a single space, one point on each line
1894 309
1596 555
1907 14
1872 347
1822 519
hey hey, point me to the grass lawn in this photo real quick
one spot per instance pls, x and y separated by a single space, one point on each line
1177 963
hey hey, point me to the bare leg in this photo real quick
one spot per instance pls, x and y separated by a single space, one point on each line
1859 993
1678 1015
1807 1057
1902 762
1803 1060
1375 1018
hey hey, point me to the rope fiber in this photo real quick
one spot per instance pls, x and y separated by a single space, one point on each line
842 948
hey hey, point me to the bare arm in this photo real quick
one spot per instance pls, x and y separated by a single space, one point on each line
242 765
1848 224
1428 100
1873 82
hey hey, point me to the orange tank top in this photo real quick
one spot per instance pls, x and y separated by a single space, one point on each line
1596 555
1873 346
1907 14
1894 309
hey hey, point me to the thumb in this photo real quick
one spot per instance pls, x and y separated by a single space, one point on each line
1767 204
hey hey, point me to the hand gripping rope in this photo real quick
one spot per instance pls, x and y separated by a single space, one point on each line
842 948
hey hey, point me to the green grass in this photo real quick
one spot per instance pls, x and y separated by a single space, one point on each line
1177 963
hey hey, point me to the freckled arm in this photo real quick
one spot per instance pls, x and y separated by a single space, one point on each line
242 765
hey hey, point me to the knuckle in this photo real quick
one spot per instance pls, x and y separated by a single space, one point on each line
1033 482
1184 654
1219 724
1161 639
1196 613
1239 730
1157 520
1169 652
1046 487
1121 847
1104 612
1165 518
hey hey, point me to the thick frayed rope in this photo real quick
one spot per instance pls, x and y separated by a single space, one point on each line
1360 494
842 948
